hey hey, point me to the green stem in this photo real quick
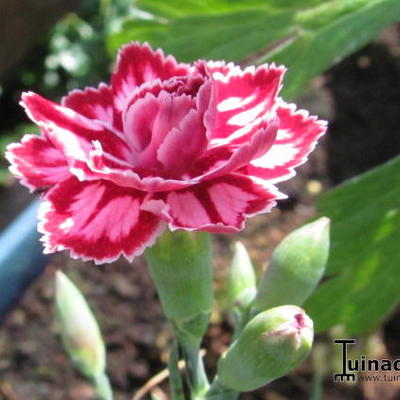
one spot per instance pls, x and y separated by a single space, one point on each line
181 267
316 390
240 318
197 377
175 380
103 387
218 391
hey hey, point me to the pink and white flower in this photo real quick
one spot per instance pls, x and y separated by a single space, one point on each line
194 147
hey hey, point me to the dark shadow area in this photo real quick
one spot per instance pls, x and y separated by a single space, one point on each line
365 131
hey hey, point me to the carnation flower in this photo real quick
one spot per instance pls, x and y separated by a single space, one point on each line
166 144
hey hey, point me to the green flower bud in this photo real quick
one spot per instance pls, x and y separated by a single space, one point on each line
181 267
296 266
271 345
79 330
241 284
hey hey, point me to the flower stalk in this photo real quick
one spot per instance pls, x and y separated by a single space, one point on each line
197 378
103 387
175 380
218 391
181 267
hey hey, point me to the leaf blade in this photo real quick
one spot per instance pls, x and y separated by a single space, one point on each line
307 36
363 279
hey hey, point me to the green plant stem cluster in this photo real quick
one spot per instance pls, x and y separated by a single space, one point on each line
270 338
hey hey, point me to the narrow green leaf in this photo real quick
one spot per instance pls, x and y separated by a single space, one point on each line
306 35
329 33
231 36
363 278
184 7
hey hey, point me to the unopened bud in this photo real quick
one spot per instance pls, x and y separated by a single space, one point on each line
271 345
79 330
241 283
296 266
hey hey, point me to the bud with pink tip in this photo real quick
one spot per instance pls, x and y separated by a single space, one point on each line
271 345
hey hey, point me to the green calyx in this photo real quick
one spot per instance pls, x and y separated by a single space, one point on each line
271 345
181 267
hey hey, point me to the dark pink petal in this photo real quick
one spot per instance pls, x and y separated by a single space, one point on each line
239 99
297 136
36 162
179 85
148 121
103 166
100 166
172 111
96 220
203 99
220 205
226 159
150 89
137 64
183 145
180 149
138 122
92 103
72 133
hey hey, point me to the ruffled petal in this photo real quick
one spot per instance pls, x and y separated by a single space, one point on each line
220 205
182 145
71 132
138 122
180 150
93 103
101 166
137 64
239 100
96 220
149 120
37 163
226 159
296 138
178 85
